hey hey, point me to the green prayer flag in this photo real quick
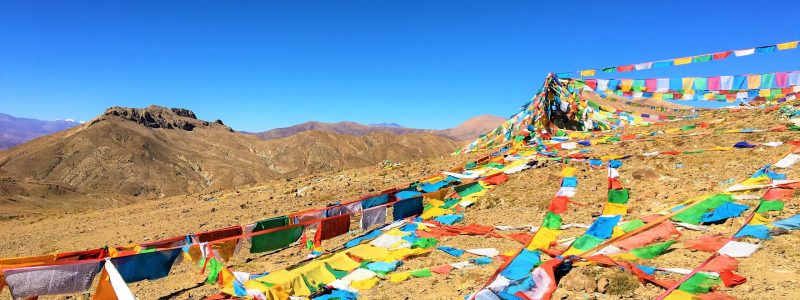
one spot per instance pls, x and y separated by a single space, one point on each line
638 85
767 80
469 189
694 151
424 243
336 273
275 240
214 267
421 273
772 205
552 221
701 84
694 214
702 58
495 165
631 225
651 251
448 203
688 127
618 196
699 283
586 242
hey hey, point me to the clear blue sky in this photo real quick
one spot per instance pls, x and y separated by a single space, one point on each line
264 64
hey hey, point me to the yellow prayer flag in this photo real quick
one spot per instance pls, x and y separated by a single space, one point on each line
568 172
753 81
624 256
681 295
626 84
617 232
543 238
571 251
756 181
592 71
340 261
402 253
315 273
687 83
398 277
365 284
789 45
759 219
682 61
615 209
369 252
433 212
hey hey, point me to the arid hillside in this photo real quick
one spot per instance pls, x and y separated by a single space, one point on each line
156 152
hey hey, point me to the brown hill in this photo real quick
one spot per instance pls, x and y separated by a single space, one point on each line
155 152
475 126
467 130
351 128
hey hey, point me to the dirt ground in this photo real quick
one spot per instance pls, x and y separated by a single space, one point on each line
655 183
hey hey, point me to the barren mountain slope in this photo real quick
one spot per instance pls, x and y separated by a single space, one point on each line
475 126
467 130
156 152
351 128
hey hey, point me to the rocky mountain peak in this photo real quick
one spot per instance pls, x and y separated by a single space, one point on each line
155 116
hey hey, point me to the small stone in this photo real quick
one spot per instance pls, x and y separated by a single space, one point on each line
602 284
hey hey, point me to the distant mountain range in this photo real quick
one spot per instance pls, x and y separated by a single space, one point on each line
467 130
130 153
15 131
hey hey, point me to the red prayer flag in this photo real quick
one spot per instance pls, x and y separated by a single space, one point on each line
443 269
730 279
332 227
496 179
722 55
721 263
614 184
592 83
710 243
625 68
778 194
559 204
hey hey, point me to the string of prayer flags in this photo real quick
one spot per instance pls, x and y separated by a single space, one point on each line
546 235
684 60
